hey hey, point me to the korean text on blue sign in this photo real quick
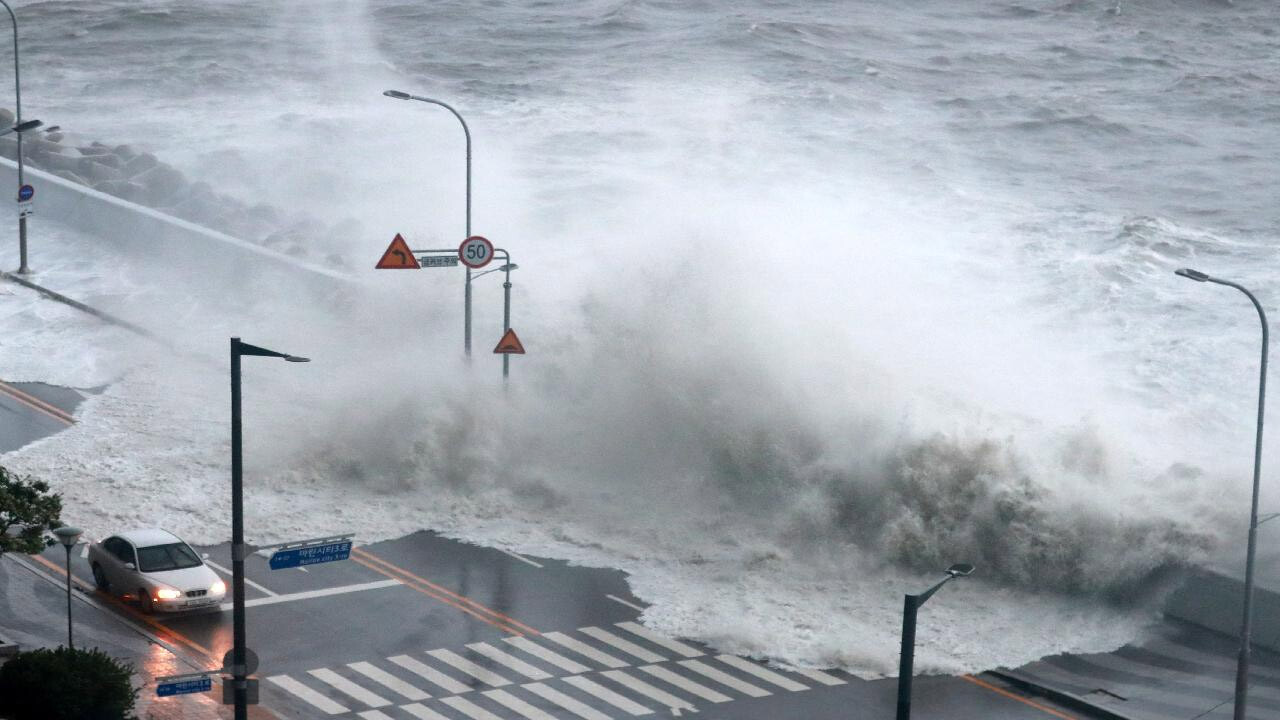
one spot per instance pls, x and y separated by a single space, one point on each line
184 687
297 557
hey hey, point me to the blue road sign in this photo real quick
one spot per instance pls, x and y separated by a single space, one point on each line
184 687
25 193
296 557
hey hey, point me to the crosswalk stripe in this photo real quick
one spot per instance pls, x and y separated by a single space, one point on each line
468 667
625 646
767 675
510 661
387 679
374 715
346 686
584 649
421 712
536 650
320 701
665 698
520 706
656 639
430 673
686 684
580 709
820 676
619 701
468 708
725 678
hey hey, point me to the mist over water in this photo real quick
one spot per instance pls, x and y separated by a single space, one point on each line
819 298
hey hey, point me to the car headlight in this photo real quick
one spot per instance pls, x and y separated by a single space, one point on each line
168 593
218 587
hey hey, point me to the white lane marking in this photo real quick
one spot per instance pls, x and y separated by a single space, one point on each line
468 667
747 666
374 715
584 649
820 676
665 698
725 678
346 686
387 679
247 581
686 684
658 639
430 673
523 708
574 706
536 650
520 557
468 708
607 695
510 661
325 592
620 601
424 713
307 694
624 645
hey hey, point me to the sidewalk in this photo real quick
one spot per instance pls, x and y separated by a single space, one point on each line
33 614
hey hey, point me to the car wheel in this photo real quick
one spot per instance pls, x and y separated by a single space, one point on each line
144 599
100 578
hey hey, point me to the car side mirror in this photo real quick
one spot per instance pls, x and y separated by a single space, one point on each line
130 566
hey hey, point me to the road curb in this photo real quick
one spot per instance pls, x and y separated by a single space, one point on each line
1066 699
52 295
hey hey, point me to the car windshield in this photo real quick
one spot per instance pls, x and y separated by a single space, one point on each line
166 557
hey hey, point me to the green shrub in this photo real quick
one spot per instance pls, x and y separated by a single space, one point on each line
64 684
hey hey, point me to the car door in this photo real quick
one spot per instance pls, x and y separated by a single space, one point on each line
108 561
123 579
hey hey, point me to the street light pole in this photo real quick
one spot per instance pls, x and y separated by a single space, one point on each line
17 120
466 323
239 552
1246 624
506 268
68 536
907 658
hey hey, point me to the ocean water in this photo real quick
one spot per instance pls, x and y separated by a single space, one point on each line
820 297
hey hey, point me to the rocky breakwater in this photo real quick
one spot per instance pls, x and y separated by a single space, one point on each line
132 174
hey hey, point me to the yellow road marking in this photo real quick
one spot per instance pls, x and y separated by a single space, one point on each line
36 403
1011 696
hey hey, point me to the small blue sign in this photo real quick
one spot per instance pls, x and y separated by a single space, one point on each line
185 687
297 557
25 193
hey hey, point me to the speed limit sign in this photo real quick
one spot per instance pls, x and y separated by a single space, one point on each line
475 252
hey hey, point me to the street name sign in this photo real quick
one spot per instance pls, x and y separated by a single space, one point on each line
398 256
312 554
475 252
183 684
439 261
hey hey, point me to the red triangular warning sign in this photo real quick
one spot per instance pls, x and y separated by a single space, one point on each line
509 345
398 257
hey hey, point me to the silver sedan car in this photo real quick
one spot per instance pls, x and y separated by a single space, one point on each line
156 568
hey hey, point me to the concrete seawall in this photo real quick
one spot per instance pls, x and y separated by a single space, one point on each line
1215 600
184 248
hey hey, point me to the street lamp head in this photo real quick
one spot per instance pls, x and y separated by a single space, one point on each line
509 267
295 358
27 125
959 570
397 94
1192 274
68 535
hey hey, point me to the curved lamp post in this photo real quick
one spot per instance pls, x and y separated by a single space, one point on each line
239 667
466 337
1242 665
17 118
68 536
907 658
